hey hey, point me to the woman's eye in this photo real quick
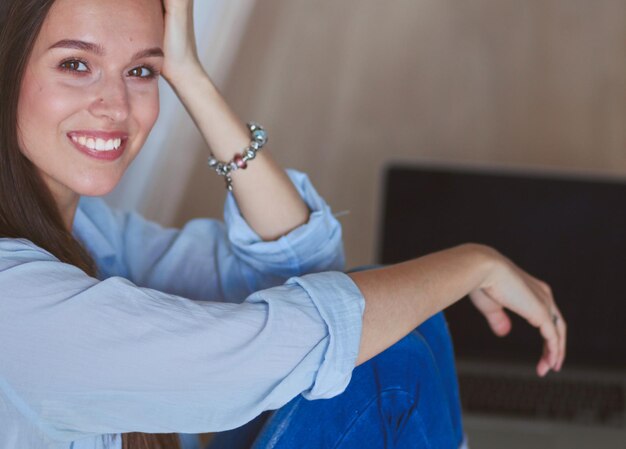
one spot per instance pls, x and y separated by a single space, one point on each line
142 72
74 66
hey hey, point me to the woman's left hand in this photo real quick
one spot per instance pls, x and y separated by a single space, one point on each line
509 287
180 41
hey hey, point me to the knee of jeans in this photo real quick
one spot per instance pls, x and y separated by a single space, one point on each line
405 365
435 331
392 411
436 322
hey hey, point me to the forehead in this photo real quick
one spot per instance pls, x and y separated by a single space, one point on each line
114 22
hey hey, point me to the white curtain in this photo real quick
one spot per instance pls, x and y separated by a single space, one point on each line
156 180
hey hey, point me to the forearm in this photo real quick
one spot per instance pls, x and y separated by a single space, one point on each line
266 197
400 297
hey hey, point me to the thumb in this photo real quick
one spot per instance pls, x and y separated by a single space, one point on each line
494 313
499 322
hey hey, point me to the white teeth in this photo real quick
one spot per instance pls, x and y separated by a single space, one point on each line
98 144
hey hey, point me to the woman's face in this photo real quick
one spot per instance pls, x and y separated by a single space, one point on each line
89 95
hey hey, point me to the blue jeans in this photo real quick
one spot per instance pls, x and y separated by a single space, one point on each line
406 397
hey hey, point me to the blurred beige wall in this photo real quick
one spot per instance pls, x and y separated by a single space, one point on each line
345 86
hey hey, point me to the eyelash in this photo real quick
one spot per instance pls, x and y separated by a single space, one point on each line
62 66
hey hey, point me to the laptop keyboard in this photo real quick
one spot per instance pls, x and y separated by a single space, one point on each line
562 400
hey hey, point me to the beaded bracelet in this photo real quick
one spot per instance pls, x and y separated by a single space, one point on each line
258 137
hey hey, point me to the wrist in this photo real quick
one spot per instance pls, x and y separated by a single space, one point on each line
488 263
258 139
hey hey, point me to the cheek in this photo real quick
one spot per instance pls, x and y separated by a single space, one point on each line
146 107
42 107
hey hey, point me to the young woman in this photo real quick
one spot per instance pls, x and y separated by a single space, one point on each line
113 325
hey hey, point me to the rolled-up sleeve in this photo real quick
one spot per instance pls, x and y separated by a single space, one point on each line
212 260
85 357
315 246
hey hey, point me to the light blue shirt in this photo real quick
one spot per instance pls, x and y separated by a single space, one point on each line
191 330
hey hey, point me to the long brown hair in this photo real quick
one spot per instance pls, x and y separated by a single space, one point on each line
27 207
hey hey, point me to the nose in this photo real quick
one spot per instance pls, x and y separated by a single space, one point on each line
111 101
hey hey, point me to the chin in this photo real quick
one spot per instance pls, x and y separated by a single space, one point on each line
99 188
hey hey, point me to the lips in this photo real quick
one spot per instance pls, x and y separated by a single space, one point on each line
99 144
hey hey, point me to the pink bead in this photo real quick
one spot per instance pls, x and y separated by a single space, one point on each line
238 160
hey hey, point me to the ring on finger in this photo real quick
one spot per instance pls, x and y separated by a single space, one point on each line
555 318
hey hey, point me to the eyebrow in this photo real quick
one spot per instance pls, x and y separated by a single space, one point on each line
99 50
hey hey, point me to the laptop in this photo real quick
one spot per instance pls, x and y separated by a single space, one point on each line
569 230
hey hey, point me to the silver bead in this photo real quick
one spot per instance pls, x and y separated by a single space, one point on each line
249 154
213 162
260 136
253 126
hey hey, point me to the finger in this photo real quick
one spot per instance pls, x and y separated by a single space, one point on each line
561 326
558 321
544 287
556 317
543 366
496 317
499 322
549 332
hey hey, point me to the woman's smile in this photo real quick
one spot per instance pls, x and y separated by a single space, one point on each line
106 146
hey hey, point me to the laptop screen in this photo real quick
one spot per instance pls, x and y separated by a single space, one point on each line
569 232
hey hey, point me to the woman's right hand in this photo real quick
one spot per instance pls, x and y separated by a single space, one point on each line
506 286
181 55
266 197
